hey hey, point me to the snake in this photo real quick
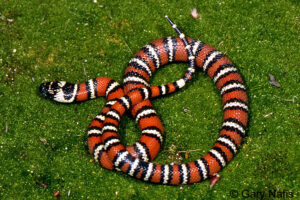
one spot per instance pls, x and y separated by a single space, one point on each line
135 94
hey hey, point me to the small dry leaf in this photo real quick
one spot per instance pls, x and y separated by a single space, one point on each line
273 81
268 115
57 194
194 13
43 140
6 128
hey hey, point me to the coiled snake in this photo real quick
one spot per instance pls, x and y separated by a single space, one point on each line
135 94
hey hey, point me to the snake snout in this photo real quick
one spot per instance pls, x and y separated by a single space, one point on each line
46 91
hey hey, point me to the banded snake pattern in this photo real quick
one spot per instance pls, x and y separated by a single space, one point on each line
135 94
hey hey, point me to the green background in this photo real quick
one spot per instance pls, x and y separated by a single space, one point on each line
42 141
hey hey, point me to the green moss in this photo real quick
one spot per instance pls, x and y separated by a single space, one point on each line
45 142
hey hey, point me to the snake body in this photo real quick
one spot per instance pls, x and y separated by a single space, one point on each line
135 95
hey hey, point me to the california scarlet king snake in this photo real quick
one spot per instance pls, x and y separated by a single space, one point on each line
134 95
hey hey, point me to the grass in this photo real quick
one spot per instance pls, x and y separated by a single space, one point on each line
77 40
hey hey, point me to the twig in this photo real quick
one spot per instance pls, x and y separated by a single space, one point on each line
290 100
189 151
127 44
268 115
41 184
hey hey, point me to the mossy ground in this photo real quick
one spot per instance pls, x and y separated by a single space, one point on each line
45 142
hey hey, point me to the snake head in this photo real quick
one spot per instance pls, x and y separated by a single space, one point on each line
59 91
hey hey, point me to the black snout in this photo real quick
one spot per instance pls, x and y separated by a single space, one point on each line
44 90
